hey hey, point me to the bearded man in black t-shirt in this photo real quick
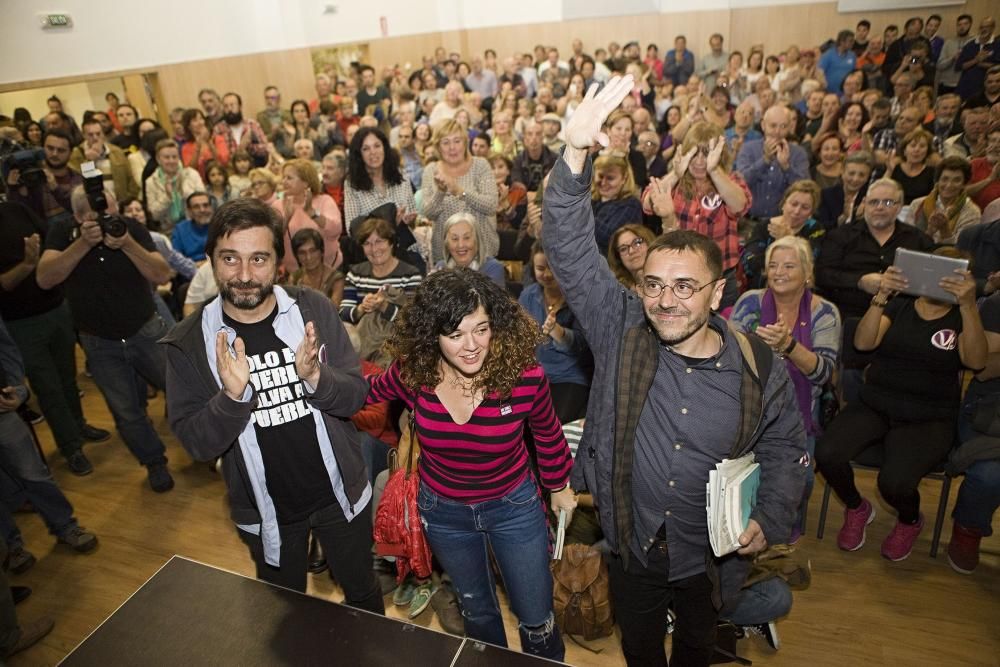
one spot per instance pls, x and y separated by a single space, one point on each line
265 377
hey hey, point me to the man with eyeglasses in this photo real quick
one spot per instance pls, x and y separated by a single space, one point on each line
853 258
665 407
273 116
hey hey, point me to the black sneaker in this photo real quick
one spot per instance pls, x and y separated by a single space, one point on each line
94 434
79 464
80 540
769 631
159 477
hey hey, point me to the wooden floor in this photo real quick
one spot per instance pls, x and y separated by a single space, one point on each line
860 609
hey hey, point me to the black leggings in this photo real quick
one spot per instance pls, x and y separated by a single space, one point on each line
911 450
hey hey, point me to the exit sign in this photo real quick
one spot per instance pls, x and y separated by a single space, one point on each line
50 21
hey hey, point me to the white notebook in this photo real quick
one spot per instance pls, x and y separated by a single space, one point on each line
731 494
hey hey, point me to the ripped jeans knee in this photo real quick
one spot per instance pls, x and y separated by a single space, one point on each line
543 640
539 633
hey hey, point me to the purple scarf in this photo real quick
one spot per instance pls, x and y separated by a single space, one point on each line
802 333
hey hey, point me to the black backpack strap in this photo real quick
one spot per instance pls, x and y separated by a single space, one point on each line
758 360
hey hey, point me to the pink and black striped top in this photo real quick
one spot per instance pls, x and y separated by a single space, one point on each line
485 458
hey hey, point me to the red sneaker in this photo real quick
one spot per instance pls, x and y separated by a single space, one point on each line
963 549
852 534
898 545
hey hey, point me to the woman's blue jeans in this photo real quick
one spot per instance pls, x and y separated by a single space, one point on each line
515 529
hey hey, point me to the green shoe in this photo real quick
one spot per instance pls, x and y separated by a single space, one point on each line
404 593
421 598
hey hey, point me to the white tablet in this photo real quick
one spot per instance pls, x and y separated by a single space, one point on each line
924 272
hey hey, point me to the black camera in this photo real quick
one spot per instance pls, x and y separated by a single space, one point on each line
93 185
26 160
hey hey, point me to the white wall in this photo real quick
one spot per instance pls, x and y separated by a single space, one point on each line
76 97
109 35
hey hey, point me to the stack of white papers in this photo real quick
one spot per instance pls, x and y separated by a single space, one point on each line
560 536
731 495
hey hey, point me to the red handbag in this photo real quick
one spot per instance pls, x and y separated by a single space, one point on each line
398 530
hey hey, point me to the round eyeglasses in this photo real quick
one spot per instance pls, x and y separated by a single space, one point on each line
682 289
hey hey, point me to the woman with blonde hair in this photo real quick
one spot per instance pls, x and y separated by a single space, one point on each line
620 127
263 185
304 205
801 326
701 194
504 141
798 208
459 182
614 196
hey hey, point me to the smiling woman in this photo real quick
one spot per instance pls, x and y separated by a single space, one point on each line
465 365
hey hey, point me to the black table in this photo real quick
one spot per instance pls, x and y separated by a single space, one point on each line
189 613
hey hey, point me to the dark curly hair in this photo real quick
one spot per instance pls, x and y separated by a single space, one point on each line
357 173
438 307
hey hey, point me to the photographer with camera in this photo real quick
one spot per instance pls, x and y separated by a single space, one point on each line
106 263
46 189
917 64
108 158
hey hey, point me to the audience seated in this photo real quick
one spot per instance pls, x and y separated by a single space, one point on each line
462 249
627 253
189 235
303 205
200 145
978 454
801 326
797 219
169 187
367 285
459 182
985 181
769 165
947 209
563 353
840 203
908 404
374 179
109 159
614 195
308 246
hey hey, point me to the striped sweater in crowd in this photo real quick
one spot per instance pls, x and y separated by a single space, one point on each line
485 458
361 282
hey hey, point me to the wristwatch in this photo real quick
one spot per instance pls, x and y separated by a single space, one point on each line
880 303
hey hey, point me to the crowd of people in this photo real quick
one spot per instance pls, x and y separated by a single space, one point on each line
506 247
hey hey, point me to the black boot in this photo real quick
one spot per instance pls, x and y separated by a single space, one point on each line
317 559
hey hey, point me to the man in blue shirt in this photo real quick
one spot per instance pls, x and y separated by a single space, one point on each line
678 66
190 234
771 164
839 61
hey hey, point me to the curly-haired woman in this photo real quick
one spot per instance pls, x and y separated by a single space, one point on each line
465 365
